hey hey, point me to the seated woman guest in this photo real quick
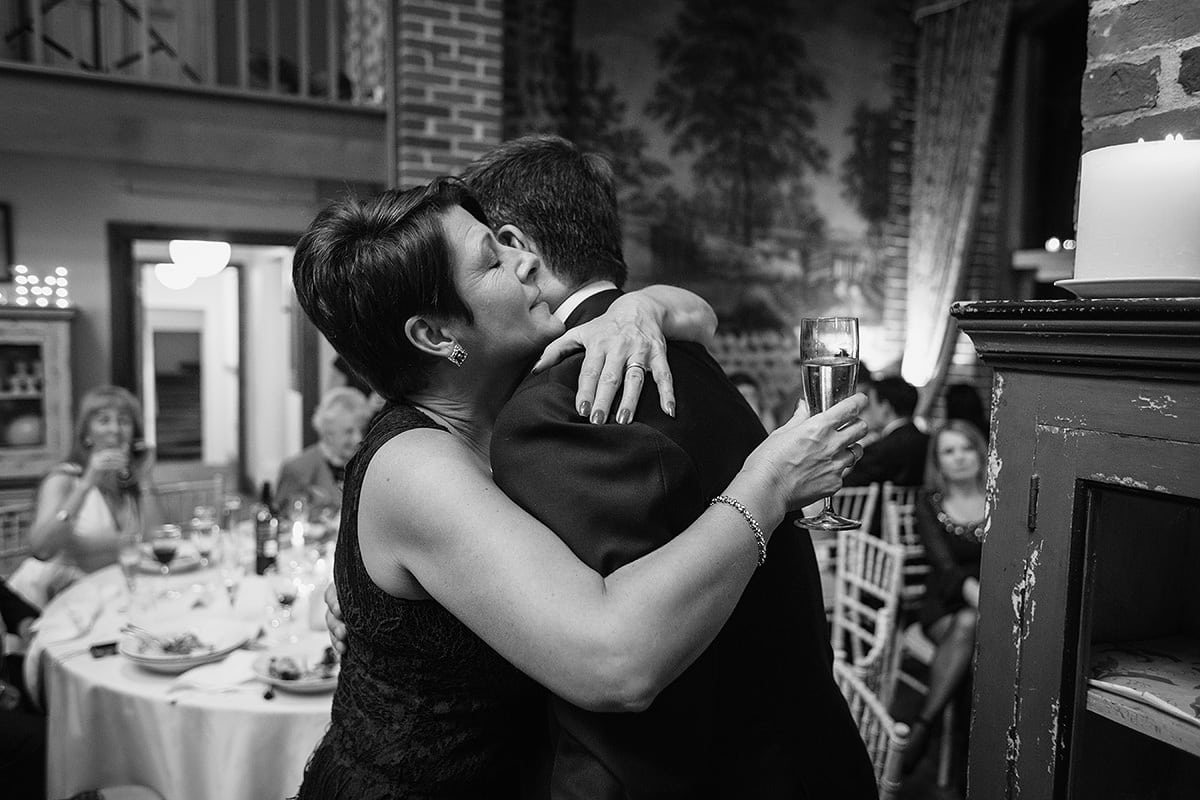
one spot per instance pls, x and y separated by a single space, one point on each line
315 476
453 596
83 502
949 519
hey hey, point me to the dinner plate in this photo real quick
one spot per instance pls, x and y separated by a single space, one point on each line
221 637
308 684
1097 288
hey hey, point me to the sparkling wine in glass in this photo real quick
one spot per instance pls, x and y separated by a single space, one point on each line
829 360
164 544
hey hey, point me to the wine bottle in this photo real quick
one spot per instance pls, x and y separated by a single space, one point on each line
266 532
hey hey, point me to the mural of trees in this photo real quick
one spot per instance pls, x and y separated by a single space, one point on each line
865 171
737 93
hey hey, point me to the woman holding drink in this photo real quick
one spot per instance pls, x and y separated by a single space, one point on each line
85 502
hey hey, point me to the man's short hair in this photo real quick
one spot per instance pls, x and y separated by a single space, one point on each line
561 197
364 267
898 393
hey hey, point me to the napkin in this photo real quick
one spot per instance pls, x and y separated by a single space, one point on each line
224 676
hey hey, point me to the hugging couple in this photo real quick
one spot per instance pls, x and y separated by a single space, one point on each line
547 588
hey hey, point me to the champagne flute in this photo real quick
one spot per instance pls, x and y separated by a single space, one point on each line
829 359
129 544
233 564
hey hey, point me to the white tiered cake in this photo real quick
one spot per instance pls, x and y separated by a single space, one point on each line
1138 233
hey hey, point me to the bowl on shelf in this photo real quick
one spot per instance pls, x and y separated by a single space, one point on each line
23 431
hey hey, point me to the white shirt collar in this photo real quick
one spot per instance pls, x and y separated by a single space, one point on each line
576 298
899 422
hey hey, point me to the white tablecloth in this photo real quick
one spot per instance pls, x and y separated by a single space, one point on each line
111 722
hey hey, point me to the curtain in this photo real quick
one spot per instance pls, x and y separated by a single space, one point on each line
959 53
364 44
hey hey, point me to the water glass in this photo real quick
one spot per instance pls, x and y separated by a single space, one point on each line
203 531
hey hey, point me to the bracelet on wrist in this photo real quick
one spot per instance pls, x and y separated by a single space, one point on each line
759 537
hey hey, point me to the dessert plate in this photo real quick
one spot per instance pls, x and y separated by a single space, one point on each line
296 672
1097 288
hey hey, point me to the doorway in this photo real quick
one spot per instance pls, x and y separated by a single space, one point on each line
228 367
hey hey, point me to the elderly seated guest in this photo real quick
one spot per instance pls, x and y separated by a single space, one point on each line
315 475
82 503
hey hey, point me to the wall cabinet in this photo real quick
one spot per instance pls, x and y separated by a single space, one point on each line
1089 590
35 395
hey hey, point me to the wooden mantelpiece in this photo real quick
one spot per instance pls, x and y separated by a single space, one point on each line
1145 337
1093 535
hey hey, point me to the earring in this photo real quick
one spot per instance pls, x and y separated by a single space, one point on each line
457 355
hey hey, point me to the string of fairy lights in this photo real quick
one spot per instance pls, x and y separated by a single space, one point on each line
38 291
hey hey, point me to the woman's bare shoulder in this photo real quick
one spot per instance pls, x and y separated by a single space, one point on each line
422 471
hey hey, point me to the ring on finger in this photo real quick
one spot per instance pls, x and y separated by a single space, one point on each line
635 365
856 450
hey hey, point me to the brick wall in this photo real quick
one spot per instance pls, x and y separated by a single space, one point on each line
449 85
896 229
1143 71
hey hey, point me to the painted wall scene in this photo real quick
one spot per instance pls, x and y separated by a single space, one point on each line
769 200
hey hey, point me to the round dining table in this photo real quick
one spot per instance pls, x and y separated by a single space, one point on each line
112 722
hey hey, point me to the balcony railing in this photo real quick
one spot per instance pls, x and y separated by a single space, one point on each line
325 50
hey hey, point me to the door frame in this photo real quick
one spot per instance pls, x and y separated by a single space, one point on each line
127 322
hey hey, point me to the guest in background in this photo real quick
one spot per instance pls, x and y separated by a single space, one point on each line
752 392
83 502
949 519
963 402
315 476
898 455
22 730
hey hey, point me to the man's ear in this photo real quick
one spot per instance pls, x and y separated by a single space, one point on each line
428 336
512 236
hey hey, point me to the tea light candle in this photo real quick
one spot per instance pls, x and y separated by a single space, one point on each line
1139 211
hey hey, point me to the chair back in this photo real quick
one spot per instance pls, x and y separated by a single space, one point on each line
857 502
895 495
884 737
178 500
865 600
901 519
15 521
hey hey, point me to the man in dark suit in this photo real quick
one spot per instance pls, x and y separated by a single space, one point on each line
899 454
758 714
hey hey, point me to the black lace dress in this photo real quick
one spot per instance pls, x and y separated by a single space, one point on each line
424 709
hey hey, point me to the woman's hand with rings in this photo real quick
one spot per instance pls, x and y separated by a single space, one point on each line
619 349
856 451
